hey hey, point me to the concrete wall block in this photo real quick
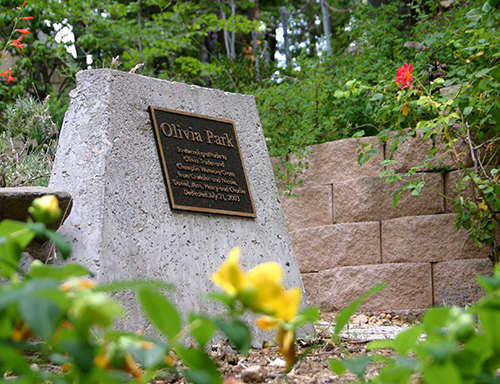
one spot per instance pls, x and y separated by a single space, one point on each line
414 150
370 199
454 277
338 160
450 189
337 245
311 286
431 238
312 208
408 286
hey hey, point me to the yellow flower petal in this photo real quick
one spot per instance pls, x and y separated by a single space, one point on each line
287 306
267 323
266 278
230 277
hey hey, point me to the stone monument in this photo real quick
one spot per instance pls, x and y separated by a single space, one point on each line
166 179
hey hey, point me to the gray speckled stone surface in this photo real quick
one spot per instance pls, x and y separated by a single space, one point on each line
121 225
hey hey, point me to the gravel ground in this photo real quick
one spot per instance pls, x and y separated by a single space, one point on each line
266 365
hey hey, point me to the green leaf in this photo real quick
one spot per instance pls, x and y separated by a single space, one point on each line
377 96
395 199
149 357
42 314
238 333
308 315
222 297
161 312
338 366
434 321
405 341
360 133
441 351
10 254
61 243
468 110
201 369
202 328
442 374
395 374
198 376
491 284
483 72
490 318
17 231
495 113
81 352
38 269
14 237
345 314
495 73
358 365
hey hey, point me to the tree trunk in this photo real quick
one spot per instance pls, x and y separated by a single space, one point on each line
326 27
284 19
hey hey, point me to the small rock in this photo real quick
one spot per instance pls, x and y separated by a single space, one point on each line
362 319
278 363
231 380
254 374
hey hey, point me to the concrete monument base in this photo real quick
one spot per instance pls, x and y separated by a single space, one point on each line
121 225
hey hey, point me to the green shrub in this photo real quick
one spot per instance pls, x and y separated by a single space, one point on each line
28 141
66 319
452 345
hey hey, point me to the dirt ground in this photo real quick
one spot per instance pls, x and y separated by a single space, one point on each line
266 365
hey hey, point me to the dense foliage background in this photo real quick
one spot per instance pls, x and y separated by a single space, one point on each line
320 70
211 44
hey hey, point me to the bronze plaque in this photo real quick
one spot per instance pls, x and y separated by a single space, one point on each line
202 163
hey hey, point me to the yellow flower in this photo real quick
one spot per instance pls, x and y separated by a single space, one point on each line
284 308
287 306
45 209
230 277
261 289
266 281
267 323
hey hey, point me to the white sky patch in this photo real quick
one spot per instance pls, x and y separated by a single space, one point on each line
65 35
280 58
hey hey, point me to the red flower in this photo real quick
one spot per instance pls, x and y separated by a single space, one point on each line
27 18
404 75
17 43
8 75
24 31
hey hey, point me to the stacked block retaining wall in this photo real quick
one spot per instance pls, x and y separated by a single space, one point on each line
347 237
